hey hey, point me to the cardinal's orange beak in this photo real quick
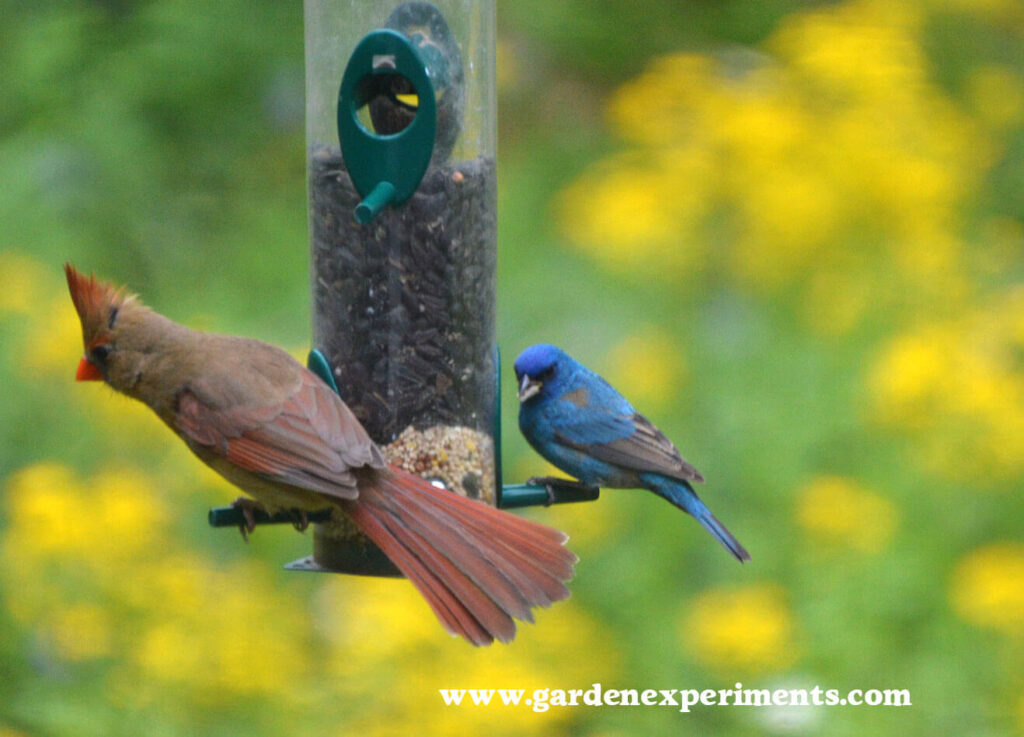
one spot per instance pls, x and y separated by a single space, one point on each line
88 371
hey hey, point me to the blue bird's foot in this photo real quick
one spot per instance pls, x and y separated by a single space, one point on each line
550 482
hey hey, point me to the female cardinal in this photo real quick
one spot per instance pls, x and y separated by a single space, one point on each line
275 430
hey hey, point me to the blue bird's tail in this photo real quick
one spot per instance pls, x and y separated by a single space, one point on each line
682 495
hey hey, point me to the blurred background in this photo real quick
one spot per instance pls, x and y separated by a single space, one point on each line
792 232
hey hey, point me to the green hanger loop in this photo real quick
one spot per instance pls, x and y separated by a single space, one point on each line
386 167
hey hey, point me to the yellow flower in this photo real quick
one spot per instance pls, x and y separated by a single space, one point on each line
217 630
648 368
53 513
728 167
786 215
987 587
911 373
126 501
53 344
862 48
48 500
839 511
165 651
352 612
957 386
655 109
77 553
384 631
740 630
634 211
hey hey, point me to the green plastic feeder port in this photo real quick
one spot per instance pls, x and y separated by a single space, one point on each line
387 157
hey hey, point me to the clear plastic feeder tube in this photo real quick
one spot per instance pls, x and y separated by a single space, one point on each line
404 305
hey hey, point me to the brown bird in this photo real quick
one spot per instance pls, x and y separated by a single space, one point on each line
275 430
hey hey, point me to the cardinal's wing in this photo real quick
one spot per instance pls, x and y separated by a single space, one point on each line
310 439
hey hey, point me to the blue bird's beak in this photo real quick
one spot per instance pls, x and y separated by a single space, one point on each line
529 388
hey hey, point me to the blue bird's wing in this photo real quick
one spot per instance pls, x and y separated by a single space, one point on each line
625 439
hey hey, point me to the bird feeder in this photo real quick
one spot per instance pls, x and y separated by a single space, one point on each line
402 191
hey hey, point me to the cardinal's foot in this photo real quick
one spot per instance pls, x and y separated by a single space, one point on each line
299 519
248 507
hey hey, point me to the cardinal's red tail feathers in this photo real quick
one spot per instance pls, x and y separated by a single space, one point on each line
479 568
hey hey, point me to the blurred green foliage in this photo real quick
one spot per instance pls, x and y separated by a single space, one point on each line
792 232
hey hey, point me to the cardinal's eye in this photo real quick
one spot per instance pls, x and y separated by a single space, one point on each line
99 353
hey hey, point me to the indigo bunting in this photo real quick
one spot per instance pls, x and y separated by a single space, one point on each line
577 421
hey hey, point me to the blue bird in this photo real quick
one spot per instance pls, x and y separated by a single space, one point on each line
582 425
